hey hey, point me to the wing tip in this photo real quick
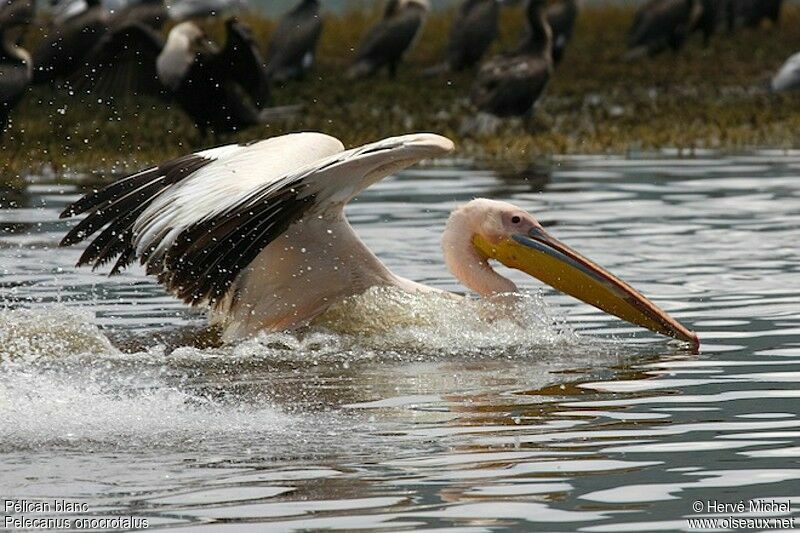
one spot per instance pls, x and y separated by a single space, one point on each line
430 142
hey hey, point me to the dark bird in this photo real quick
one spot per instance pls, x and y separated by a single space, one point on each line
751 13
15 62
208 83
662 24
510 85
561 17
473 31
64 48
153 13
385 44
711 14
293 45
16 13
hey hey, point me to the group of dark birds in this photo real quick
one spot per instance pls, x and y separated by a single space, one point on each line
121 52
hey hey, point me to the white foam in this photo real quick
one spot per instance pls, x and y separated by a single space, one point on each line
62 382
46 407
53 331
392 319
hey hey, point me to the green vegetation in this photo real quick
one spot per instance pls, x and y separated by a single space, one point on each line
700 98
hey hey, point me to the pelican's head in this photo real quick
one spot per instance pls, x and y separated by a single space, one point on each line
178 54
487 229
188 32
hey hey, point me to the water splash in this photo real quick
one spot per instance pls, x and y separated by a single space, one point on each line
52 331
65 407
390 319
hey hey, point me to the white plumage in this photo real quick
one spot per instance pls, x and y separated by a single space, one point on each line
205 223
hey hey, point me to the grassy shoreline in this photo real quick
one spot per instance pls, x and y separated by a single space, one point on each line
700 98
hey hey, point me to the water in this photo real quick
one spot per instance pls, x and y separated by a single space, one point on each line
560 418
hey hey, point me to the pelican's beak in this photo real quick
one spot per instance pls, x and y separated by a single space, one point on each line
545 258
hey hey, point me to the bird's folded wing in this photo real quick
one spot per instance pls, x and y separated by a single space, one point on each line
13 12
241 61
291 40
198 221
123 64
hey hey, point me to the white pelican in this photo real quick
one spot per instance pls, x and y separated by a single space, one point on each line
258 233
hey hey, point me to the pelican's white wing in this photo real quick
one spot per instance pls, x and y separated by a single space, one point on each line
197 221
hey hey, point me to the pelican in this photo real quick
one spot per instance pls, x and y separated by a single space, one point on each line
16 70
662 24
63 49
511 85
788 77
386 43
293 44
473 32
204 81
257 233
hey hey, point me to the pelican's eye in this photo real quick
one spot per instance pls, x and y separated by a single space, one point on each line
515 219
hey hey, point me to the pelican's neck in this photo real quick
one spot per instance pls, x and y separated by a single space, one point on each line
539 40
465 262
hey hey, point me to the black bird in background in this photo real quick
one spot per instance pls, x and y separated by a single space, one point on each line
221 90
151 13
385 44
751 13
712 12
561 17
511 85
63 49
292 47
16 69
474 29
662 24
16 13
